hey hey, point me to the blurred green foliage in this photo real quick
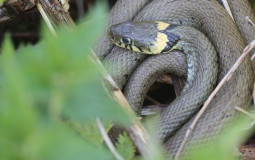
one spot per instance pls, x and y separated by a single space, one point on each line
225 147
125 147
51 94
252 3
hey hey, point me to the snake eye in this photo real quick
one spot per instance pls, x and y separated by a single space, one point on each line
126 40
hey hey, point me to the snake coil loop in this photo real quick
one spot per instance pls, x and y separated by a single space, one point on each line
210 18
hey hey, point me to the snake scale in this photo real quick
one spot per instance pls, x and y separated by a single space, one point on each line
162 38
209 17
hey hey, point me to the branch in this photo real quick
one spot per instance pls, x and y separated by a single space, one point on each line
151 110
56 15
225 4
245 112
137 132
254 93
46 19
225 79
15 8
107 140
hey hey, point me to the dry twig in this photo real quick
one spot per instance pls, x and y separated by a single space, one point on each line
245 112
225 3
107 140
58 16
15 8
46 19
136 131
249 20
254 94
225 79
151 110
152 100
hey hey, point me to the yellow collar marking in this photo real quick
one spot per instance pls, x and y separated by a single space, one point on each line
162 25
161 40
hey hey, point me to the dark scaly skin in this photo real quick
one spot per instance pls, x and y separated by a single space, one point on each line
202 69
128 11
174 63
211 19
240 10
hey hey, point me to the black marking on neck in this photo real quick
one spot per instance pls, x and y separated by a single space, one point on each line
172 26
140 49
131 48
166 49
149 49
172 40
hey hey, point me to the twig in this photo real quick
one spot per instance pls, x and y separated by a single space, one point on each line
136 131
46 19
165 79
254 94
152 100
253 56
107 140
225 3
249 20
58 16
12 9
25 34
225 78
4 16
244 112
178 84
151 110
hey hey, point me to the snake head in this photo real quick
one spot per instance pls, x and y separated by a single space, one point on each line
145 37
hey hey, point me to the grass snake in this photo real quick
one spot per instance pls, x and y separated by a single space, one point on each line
209 17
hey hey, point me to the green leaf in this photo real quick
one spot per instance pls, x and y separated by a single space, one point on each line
125 147
91 132
14 99
252 3
17 115
57 142
44 87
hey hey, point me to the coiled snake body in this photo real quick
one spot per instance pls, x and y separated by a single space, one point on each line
208 17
